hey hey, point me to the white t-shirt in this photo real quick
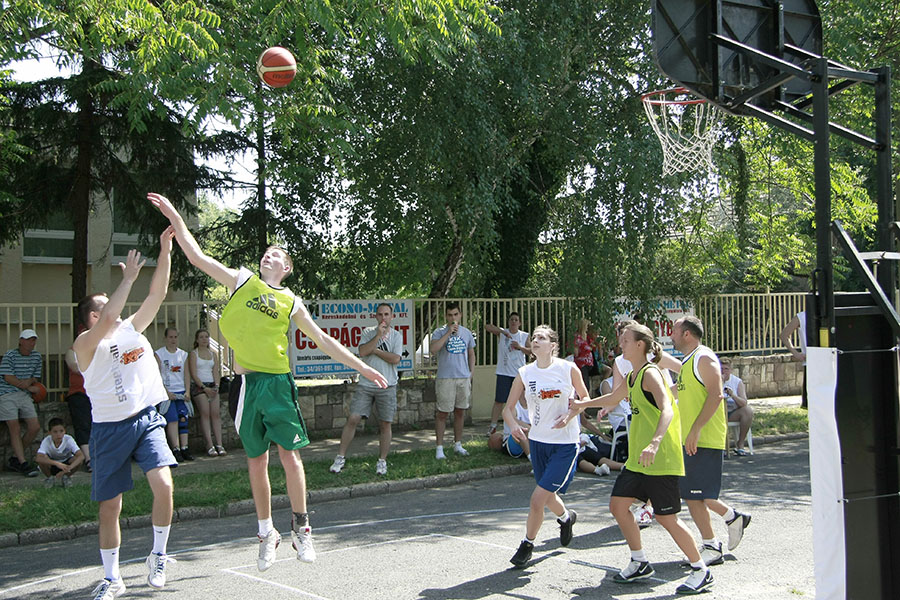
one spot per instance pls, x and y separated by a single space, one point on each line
732 384
66 449
700 351
509 361
172 369
123 377
548 392
392 343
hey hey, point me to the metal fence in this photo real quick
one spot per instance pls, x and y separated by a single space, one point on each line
735 323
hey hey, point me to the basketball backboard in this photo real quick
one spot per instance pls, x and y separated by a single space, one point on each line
686 51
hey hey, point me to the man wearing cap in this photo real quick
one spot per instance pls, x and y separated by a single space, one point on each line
20 370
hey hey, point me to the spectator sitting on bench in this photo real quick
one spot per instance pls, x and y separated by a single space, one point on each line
738 408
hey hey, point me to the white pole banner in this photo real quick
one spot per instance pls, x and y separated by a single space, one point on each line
825 475
344 320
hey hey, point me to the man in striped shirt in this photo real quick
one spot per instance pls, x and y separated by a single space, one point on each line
20 370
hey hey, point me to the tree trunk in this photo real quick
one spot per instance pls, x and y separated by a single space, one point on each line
79 201
447 277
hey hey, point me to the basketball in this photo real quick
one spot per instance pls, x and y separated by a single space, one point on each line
276 67
40 395
495 442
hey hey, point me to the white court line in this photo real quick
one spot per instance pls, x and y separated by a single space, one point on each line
274 584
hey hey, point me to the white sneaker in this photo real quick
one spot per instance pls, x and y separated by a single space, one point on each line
458 448
49 481
381 467
157 565
108 590
439 453
643 516
66 481
712 554
338 464
267 546
602 470
736 528
696 583
302 542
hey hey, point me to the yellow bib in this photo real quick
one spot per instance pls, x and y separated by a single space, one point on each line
692 397
644 420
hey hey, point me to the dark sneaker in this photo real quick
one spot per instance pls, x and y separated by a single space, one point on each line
13 464
186 454
176 452
565 528
712 554
523 554
87 466
635 571
29 470
736 528
698 582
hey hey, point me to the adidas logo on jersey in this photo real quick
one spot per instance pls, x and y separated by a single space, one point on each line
264 303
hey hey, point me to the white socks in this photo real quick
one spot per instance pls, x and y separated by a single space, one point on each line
712 542
728 516
160 538
565 516
265 526
639 555
110 560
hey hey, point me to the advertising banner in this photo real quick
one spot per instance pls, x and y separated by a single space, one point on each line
344 320
665 313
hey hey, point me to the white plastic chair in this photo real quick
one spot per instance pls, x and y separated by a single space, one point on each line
733 436
618 434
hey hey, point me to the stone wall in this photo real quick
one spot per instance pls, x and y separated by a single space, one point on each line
766 376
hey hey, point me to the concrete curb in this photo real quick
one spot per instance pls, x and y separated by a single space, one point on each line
242 507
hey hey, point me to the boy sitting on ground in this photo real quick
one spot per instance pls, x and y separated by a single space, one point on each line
59 456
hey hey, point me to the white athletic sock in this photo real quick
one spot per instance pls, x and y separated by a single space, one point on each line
265 526
110 560
699 565
729 514
565 516
598 470
712 542
639 555
527 540
493 424
160 538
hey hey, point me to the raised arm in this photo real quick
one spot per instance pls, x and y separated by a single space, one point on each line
224 275
159 285
786 335
490 328
332 348
87 342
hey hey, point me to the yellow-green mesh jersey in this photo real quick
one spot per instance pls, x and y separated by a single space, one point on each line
255 323
692 397
644 420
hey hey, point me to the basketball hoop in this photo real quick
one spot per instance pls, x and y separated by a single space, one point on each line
686 127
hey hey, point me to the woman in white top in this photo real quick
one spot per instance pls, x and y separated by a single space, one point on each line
203 365
548 384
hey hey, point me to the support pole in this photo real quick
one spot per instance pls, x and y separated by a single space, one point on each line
822 325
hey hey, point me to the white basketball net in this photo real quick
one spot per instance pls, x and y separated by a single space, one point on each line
686 127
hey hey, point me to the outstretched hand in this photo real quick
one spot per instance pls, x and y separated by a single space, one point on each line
375 377
165 240
163 204
132 266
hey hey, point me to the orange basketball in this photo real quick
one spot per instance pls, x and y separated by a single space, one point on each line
276 67
40 395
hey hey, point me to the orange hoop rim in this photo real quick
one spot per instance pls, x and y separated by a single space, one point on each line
650 97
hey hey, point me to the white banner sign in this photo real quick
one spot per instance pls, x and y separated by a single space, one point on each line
344 320
661 325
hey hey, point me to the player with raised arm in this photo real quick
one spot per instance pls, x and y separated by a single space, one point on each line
123 382
255 322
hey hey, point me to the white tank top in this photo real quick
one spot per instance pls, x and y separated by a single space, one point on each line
173 366
548 392
204 368
123 377
509 361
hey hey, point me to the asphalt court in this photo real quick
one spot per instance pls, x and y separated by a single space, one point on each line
452 542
